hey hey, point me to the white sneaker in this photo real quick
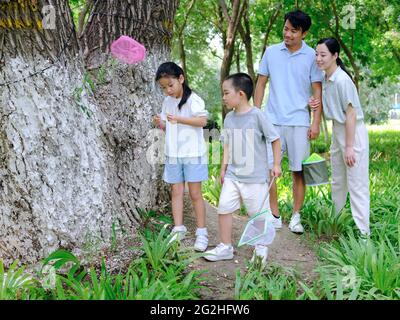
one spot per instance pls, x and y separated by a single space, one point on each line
295 224
178 234
363 238
201 242
276 222
220 252
261 252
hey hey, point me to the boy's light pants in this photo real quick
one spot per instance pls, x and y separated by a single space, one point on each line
354 180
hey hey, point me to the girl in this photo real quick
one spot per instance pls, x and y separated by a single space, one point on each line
183 117
349 148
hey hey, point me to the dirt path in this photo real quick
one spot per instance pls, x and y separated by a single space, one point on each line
287 250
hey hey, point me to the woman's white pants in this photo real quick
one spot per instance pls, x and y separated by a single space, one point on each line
353 180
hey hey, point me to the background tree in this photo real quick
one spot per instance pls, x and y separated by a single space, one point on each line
232 20
367 29
180 28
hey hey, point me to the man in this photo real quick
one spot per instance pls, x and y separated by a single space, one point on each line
294 76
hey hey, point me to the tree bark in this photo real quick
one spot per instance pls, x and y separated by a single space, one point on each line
52 182
237 56
73 153
182 55
87 8
245 33
130 97
179 33
229 44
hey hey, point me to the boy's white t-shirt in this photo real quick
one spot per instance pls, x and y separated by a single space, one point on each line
181 140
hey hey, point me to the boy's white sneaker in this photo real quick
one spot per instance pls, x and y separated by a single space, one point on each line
276 222
201 242
177 234
260 252
220 252
295 224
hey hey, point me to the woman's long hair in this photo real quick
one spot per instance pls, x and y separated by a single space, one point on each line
333 46
171 69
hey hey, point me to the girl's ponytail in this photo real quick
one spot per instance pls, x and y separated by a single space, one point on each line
340 63
171 69
185 96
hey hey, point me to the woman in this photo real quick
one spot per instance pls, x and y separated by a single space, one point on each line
349 148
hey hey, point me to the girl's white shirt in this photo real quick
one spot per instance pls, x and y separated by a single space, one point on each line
181 140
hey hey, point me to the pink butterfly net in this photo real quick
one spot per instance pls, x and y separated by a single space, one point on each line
128 50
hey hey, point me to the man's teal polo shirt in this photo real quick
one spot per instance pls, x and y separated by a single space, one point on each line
290 76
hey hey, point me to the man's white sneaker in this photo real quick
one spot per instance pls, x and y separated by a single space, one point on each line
276 222
220 252
201 242
260 252
177 234
295 224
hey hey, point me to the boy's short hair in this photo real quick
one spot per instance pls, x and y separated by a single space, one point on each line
242 81
299 20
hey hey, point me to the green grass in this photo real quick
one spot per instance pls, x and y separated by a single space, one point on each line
373 267
272 283
211 188
160 273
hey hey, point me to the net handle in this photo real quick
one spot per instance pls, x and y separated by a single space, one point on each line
266 195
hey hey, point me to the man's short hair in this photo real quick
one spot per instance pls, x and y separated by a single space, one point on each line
242 81
299 20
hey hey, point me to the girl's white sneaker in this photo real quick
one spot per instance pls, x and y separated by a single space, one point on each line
177 234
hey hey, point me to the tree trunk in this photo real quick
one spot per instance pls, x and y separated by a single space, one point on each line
73 161
129 98
53 168
87 8
237 56
182 55
245 34
181 40
233 21
353 63
271 23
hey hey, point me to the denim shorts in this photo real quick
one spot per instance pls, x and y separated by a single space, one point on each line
179 170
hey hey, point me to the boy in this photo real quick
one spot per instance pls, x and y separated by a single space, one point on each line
244 170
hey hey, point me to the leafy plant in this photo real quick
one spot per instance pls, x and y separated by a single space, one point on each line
375 265
259 283
14 283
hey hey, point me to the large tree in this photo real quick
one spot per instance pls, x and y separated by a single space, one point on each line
73 151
